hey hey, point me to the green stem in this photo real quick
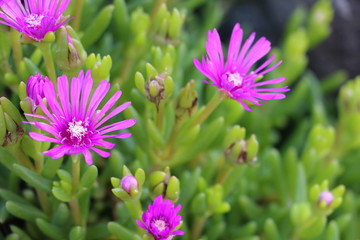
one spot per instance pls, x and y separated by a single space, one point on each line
39 164
75 170
75 211
43 200
198 227
308 221
160 115
209 108
45 48
21 156
79 4
74 203
135 210
16 47
169 150
224 173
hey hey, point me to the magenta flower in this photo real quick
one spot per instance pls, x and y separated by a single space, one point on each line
34 18
161 219
35 86
73 119
235 77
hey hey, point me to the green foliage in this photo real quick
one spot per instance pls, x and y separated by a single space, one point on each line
238 175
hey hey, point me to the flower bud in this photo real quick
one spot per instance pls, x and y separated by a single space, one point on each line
326 197
155 89
128 182
130 186
241 151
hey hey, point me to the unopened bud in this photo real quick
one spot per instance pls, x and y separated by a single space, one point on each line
128 182
326 197
129 187
241 151
155 89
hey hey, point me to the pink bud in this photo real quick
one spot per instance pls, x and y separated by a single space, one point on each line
128 182
326 196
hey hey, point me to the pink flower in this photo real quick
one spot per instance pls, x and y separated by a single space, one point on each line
161 219
34 18
235 77
73 120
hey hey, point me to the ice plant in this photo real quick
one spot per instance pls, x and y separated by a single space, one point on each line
73 119
34 18
161 219
236 77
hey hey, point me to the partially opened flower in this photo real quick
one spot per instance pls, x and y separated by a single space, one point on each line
236 77
74 120
35 86
34 18
161 219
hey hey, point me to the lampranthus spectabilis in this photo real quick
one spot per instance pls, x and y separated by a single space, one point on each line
161 219
74 120
235 77
34 18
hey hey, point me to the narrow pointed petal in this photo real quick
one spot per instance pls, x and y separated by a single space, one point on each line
43 138
87 157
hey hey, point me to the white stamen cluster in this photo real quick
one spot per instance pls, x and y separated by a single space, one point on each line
160 224
235 78
77 129
34 20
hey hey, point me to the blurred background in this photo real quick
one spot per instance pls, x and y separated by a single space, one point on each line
340 51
